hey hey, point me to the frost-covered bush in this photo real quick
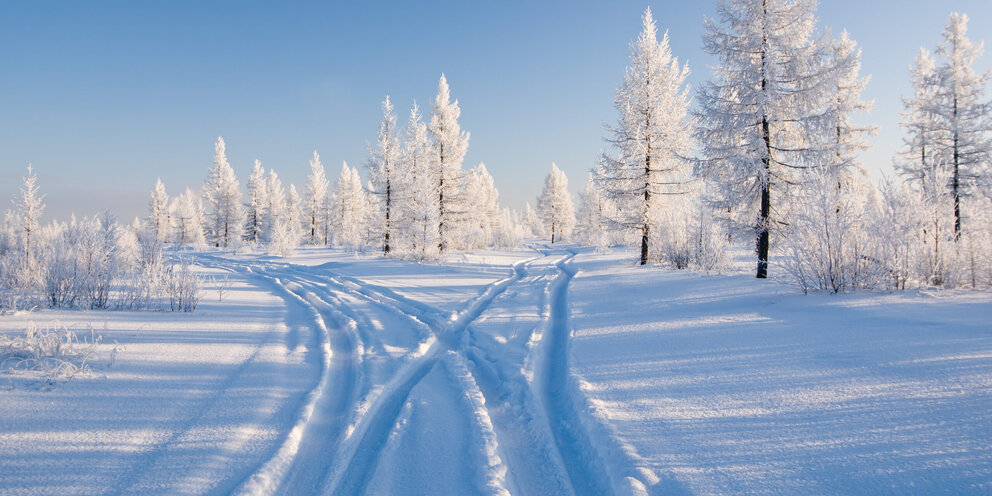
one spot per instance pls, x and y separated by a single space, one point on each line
827 243
183 286
48 354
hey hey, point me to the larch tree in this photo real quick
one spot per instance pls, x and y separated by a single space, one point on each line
384 174
158 224
188 215
484 215
350 209
652 135
918 158
258 198
449 146
555 207
316 207
964 113
27 214
846 139
589 225
761 111
420 198
224 201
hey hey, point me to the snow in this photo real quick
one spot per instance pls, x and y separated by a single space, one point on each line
543 370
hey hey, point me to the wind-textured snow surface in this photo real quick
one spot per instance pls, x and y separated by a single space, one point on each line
548 370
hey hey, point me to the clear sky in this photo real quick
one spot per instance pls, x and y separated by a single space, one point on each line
103 97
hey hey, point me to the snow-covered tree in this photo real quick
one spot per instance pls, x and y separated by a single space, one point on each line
255 206
316 207
187 211
589 217
224 201
350 209
420 197
158 224
533 227
483 217
384 175
919 155
555 207
449 146
652 136
762 110
965 114
27 212
846 140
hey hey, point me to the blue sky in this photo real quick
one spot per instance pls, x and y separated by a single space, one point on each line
103 97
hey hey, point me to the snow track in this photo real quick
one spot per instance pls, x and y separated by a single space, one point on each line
586 470
374 351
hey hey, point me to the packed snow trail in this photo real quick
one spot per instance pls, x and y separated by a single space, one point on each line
518 399
586 470
378 424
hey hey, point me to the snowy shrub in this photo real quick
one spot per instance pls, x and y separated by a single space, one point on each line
826 244
183 286
49 354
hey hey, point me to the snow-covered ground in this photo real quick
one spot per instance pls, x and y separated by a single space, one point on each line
547 370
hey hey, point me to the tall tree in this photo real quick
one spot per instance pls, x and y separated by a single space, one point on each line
316 208
555 207
846 139
420 197
763 107
963 110
258 198
450 144
224 200
920 121
651 137
384 172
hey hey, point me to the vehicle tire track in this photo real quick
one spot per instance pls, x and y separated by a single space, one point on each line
374 431
587 472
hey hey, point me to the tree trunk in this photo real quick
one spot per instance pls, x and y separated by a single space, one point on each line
762 272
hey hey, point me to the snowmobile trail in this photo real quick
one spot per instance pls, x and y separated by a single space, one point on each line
586 470
373 432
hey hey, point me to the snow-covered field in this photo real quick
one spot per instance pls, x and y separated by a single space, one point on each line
541 371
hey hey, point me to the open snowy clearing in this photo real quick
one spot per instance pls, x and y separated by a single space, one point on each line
545 370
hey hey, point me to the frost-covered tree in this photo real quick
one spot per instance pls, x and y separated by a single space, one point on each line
533 227
651 138
761 112
555 207
384 175
187 211
27 212
845 139
255 213
919 154
483 218
224 201
420 198
350 209
316 207
589 217
158 224
965 116
449 146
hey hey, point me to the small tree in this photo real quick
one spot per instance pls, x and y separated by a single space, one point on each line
316 206
555 207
